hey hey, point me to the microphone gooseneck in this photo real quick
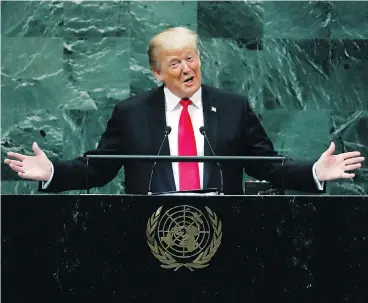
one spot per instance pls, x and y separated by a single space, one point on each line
87 185
203 131
167 132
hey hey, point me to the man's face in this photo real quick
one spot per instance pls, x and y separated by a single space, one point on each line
180 71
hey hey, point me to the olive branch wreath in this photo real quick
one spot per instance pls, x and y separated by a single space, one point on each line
168 261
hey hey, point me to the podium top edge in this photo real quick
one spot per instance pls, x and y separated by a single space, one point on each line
184 158
324 196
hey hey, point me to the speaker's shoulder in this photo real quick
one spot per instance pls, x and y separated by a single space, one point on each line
141 99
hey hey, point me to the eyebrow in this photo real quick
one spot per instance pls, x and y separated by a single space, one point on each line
189 54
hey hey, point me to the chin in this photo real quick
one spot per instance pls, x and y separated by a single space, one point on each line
192 88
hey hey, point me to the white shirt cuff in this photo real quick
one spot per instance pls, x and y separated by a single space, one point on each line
319 184
45 184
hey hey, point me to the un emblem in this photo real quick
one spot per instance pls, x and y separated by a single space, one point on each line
184 236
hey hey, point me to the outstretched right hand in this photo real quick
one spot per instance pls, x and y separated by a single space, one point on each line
37 167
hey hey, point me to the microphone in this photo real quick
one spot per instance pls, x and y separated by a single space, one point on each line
167 132
203 131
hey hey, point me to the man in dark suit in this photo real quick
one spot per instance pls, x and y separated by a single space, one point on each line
138 124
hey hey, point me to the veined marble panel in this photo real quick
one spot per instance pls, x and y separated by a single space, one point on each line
303 66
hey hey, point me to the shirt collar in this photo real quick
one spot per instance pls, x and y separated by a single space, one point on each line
172 101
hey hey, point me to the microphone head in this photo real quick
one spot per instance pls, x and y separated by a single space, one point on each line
168 130
202 130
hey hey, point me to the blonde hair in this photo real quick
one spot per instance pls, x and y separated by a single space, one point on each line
172 38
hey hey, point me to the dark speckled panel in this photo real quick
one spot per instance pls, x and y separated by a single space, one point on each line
273 249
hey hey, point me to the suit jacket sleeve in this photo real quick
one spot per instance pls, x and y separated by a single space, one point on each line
73 174
288 174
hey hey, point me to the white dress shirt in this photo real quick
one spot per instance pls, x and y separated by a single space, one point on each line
173 112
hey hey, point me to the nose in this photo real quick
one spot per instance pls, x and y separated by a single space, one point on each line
185 67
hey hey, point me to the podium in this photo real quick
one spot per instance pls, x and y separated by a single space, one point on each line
111 248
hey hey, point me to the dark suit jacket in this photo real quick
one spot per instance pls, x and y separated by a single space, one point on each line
137 126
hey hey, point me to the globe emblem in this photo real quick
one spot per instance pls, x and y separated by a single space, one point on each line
183 231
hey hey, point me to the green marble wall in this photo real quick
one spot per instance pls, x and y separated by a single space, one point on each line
303 65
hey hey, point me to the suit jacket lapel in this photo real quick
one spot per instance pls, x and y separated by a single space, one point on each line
157 123
211 120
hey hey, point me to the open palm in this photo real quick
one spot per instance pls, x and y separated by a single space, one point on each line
37 167
332 167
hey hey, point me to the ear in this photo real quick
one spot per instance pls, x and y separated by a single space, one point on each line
199 58
158 74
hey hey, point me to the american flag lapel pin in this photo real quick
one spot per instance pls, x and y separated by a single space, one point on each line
213 109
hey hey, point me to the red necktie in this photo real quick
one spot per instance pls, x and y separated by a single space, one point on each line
188 171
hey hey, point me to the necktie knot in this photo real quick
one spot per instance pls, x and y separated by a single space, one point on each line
185 102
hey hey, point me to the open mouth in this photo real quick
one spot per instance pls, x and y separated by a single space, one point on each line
189 80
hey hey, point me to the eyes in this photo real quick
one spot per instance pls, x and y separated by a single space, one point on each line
176 63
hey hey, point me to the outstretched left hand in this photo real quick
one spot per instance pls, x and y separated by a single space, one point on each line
332 167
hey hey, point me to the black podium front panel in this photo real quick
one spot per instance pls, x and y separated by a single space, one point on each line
184 249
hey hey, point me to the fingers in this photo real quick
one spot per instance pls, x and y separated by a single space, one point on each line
26 176
352 166
22 175
354 160
17 156
36 149
351 154
331 149
14 162
16 168
347 176
29 176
